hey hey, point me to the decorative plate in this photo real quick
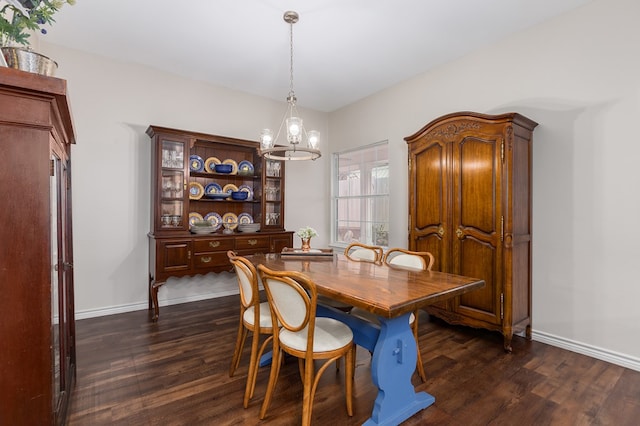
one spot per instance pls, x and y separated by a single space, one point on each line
212 188
194 217
231 219
245 218
215 220
210 163
196 191
233 164
245 168
229 188
246 188
196 163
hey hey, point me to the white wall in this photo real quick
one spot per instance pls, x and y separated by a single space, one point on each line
578 76
113 104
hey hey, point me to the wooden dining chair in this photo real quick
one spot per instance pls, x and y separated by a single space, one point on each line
255 317
292 298
410 259
360 252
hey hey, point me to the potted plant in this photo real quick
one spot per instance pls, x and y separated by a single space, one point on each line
381 235
305 235
18 19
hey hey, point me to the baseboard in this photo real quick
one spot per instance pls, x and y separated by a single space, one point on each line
584 349
112 310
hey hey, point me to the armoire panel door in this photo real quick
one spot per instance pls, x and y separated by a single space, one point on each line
430 197
477 222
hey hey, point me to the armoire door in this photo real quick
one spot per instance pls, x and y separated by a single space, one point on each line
477 220
430 201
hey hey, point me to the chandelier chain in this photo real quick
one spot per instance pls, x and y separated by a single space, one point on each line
291 92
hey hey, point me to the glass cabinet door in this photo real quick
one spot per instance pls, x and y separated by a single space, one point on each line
273 194
172 185
62 334
55 282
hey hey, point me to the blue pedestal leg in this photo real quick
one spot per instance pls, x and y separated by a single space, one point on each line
393 364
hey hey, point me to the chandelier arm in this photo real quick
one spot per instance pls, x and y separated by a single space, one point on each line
284 118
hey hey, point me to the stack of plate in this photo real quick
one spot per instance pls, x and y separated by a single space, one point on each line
202 227
248 227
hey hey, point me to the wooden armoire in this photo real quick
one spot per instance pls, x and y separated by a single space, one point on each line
37 331
470 181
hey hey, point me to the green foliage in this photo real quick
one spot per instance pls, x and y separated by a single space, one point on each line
18 18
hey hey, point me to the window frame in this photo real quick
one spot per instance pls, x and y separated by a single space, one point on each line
365 196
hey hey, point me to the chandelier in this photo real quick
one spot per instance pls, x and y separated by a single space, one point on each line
291 121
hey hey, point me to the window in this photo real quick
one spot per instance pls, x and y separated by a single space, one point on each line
360 198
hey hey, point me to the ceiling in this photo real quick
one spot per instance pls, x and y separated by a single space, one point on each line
344 50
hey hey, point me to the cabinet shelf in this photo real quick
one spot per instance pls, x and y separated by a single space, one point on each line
209 200
224 176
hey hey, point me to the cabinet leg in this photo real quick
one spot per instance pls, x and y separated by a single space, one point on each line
528 332
507 342
153 293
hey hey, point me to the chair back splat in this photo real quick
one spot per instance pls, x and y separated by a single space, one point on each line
412 259
364 253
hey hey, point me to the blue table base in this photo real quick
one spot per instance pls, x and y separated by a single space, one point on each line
393 363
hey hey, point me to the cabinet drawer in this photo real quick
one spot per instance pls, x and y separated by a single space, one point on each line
213 244
210 260
261 242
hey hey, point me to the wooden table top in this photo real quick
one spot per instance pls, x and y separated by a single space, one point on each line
387 291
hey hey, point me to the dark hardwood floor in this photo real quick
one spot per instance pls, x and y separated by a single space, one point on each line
175 372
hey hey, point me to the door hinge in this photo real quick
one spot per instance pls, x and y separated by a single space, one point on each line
501 228
501 305
502 151
52 166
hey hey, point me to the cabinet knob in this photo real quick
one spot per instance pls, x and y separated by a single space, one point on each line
252 242
205 259
459 233
214 244
441 230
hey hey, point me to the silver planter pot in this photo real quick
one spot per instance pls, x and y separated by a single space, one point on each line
26 60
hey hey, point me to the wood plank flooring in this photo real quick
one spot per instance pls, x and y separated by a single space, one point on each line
132 371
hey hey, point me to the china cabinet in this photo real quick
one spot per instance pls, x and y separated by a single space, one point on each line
470 206
187 189
38 359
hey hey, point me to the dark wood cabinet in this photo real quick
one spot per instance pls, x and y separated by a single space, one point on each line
182 174
470 205
37 360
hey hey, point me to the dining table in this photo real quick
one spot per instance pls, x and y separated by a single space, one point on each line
392 293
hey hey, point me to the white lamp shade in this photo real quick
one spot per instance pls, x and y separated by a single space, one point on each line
313 139
266 138
294 129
